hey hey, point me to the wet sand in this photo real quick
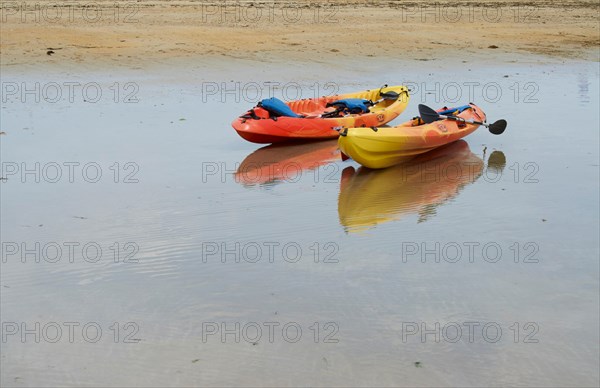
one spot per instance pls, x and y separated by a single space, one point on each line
145 33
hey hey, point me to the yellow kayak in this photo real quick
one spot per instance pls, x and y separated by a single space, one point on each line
387 146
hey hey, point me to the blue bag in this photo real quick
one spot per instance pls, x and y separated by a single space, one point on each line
353 105
277 108
452 110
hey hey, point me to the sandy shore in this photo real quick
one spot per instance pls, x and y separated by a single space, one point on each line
147 32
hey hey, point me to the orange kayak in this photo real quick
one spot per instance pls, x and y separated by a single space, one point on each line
317 119
386 146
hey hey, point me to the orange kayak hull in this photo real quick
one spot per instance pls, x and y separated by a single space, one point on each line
265 129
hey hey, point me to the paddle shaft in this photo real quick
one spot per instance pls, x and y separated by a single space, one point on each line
429 116
464 120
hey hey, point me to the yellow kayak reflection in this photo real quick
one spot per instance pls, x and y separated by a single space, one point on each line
285 162
371 197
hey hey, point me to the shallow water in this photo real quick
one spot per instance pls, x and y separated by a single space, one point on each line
376 268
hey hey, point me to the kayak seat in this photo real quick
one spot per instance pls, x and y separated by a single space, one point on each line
277 108
308 107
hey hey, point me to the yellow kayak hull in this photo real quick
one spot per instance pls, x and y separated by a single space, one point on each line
387 146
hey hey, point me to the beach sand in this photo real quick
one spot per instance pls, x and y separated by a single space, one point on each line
128 34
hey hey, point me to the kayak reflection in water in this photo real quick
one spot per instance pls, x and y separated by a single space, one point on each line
285 162
371 197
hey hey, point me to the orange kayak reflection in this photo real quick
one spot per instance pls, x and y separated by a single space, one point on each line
285 162
371 197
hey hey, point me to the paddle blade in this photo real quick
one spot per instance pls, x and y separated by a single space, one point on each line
498 127
427 114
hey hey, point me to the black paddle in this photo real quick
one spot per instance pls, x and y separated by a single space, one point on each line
429 116
391 95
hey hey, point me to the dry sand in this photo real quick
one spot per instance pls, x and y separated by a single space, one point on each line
145 32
